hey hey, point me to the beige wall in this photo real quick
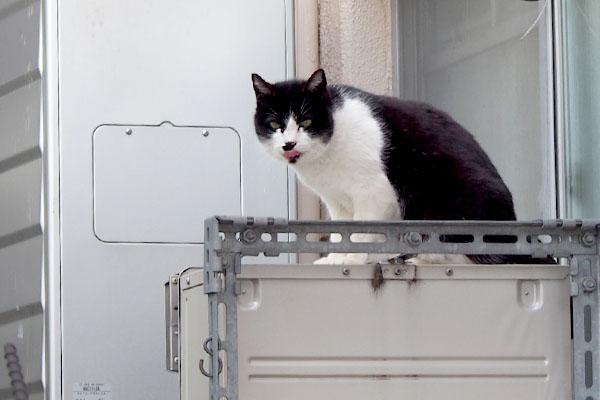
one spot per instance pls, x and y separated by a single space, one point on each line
307 61
352 41
355 40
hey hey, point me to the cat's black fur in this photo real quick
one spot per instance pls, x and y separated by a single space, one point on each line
437 168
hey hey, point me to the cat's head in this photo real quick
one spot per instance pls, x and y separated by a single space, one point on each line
293 119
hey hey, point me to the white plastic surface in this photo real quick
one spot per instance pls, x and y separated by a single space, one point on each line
193 330
460 337
154 183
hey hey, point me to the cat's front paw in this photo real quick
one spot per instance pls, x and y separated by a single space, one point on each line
425 259
352 259
438 259
332 259
355 259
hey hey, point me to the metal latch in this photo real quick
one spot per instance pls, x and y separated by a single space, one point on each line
172 323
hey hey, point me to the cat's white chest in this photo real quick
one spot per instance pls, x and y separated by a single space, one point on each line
350 176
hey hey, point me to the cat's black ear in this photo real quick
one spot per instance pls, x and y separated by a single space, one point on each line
317 82
262 87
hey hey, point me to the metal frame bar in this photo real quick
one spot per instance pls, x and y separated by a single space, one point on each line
172 323
228 239
51 196
559 77
586 330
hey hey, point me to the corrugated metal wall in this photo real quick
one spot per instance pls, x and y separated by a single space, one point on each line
21 319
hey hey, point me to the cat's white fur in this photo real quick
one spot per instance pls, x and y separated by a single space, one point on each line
347 172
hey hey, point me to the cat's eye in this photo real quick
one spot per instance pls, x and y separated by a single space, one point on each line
306 123
274 125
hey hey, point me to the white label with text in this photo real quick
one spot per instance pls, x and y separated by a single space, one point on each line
92 391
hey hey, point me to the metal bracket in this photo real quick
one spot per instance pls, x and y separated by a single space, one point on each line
172 323
586 327
228 239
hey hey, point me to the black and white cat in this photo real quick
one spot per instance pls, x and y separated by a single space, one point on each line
373 157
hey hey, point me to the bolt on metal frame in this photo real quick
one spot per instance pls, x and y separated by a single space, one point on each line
228 239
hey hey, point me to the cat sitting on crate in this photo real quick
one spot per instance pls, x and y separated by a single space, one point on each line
373 157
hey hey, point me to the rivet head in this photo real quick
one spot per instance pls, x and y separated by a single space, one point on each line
588 239
176 360
449 271
414 238
174 281
249 236
589 284
205 133
346 271
128 131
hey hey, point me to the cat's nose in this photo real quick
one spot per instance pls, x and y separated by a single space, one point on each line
288 146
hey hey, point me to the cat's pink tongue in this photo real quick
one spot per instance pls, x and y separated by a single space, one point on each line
292 155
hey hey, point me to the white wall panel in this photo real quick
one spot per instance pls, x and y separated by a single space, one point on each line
134 63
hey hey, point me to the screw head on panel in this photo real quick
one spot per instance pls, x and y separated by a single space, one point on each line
174 281
346 271
588 239
414 238
249 236
589 284
205 133
128 131
449 271
399 271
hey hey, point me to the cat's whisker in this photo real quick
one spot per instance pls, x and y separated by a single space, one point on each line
273 112
304 110
302 105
